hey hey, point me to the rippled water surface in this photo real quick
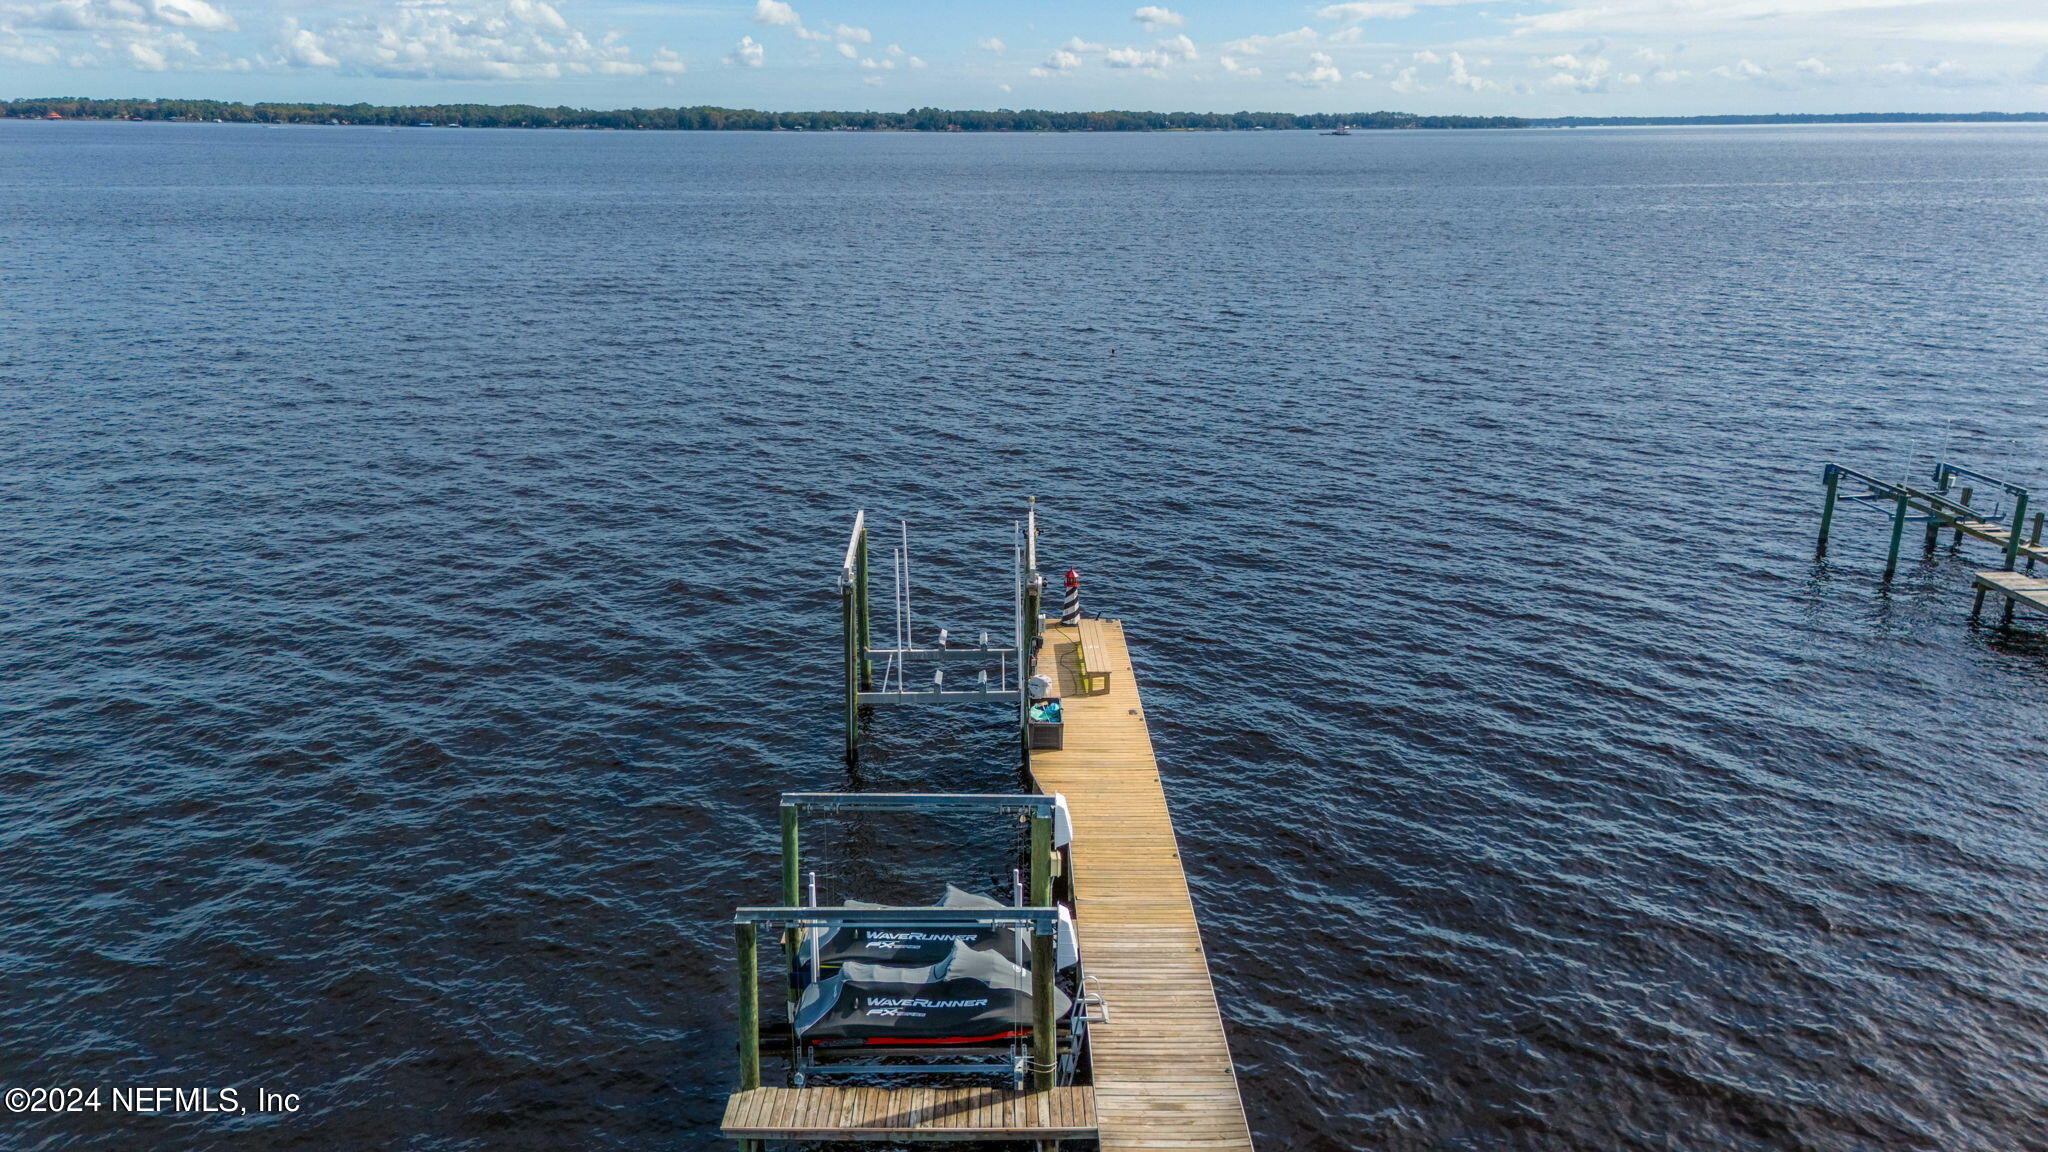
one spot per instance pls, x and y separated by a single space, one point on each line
416 561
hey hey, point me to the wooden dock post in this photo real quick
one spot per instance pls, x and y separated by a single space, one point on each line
1891 563
1833 478
1044 1040
750 1005
2012 540
750 1016
1956 541
2034 541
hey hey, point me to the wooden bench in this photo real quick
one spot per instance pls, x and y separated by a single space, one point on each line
1091 656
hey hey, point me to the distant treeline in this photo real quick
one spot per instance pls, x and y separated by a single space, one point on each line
1786 118
707 119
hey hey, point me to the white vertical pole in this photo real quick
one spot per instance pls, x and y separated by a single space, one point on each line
909 628
815 932
1017 622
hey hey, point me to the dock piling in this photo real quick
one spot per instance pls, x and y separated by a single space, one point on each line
1044 1040
1891 562
750 1005
1956 541
2012 540
1833 478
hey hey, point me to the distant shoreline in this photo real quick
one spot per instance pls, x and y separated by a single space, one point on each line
714 119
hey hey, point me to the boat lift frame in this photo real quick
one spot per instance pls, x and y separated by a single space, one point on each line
860 653
1935 509
1037 808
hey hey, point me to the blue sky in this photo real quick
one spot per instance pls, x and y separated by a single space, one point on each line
1542 57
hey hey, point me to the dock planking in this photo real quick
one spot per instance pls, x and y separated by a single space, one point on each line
920 1114
1161 1064
2018 588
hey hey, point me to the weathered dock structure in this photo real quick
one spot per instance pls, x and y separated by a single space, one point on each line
1936 511
1136 1057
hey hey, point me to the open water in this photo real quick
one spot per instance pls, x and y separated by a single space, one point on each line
416 560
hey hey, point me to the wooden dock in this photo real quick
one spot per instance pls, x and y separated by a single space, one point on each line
920 1114
1154 1073
1161 1064
2020 590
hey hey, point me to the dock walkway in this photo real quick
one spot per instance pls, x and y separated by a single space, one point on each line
949 1114
2020 589
1162 1069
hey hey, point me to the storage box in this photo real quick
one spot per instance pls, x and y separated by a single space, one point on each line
1047 736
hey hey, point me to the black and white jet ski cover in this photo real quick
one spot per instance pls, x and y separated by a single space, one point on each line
968 997
922 947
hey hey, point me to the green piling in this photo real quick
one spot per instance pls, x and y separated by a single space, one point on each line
2034 541
792 891
1827 512
1956 541
1044 1038
1891 563
2012 539
792 897
750 1007
850 635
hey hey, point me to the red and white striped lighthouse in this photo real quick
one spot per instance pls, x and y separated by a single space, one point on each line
1070 608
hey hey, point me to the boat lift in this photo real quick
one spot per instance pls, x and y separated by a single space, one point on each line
1936 510
864 689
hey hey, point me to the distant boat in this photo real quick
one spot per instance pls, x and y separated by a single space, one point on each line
1339 130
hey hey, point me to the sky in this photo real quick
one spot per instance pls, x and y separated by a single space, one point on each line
1515 57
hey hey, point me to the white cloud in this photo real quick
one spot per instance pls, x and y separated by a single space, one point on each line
1322 74
119 15
15 50
1254 45
1154 17
748 53
1180 46
1405 82
1740 70
1230 64
1076 44
1060 61
775 14
301 49
1463 78
1576 75
1813 66
1944 70
1353 13
463 40
992 44
1427 57
780 14
1145 58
